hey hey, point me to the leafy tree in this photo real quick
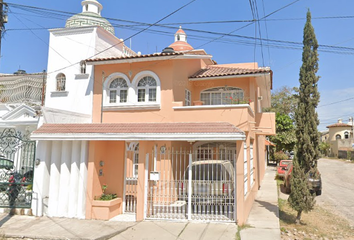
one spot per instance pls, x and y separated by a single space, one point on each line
306 119
324 147
284 101
285 137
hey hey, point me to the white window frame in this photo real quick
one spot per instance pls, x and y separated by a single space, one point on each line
106 90
135 83
251 165
118 91
187 98
225 94
245 169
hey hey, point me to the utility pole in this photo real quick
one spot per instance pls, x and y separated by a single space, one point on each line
3 20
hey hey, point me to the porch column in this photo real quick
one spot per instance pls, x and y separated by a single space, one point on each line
144 148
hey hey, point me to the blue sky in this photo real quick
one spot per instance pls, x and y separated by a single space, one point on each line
25 43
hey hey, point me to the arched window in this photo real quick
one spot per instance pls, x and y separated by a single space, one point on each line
346 135
118 91
147 89
338 136
61 82
222 95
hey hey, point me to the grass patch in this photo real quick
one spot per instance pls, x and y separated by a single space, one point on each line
240 228
319 222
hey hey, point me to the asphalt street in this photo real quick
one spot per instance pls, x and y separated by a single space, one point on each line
337 187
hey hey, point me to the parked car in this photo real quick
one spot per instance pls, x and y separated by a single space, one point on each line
282 167
314 181
213 181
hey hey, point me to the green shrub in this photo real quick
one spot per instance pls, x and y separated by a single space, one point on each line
280 156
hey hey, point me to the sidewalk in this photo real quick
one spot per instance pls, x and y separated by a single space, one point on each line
263 220
264 217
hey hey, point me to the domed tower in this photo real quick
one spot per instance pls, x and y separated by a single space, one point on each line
180 43
90 16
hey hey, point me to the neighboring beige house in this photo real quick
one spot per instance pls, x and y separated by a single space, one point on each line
340 136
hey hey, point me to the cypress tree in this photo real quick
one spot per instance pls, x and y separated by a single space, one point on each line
306 119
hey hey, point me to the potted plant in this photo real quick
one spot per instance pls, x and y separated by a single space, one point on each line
106 206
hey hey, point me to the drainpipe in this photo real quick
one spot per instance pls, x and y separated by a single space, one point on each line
102 96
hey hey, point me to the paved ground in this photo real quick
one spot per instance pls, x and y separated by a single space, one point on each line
263 222
337 187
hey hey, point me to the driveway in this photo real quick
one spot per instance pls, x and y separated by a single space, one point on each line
337 187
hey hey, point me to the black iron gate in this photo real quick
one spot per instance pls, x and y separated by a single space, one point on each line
17 156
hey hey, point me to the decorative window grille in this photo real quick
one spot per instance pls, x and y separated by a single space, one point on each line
187 99
222 95
118 91
147 89
136 161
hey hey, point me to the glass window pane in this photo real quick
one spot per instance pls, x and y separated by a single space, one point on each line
123 95
215 98
141 95
205 97
152 95
114 84
112 96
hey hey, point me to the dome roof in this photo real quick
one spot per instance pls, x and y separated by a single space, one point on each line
90 16
181 46
180 43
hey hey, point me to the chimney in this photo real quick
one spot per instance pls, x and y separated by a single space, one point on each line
339 120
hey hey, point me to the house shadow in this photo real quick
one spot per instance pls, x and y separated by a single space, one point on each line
6 219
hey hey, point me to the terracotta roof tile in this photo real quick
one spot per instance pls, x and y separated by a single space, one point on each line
339 125
145 128
135 56
216 71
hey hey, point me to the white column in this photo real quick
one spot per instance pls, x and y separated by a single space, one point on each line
54 179
63 201
81 207
74 179
41 177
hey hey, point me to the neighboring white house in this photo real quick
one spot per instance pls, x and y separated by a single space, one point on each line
68 99
70 81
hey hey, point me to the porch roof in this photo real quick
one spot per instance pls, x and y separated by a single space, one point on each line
187 131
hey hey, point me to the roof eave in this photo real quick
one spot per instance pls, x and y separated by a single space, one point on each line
229 76
146 59
141 137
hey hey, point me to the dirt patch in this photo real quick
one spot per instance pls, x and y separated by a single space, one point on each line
320 223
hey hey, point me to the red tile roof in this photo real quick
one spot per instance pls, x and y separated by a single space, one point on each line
218 71
339 125
135 56
144 128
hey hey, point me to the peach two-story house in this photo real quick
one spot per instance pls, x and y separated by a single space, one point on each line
173 134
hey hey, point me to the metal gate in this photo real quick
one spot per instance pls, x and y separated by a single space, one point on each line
17 156
131 177
198 185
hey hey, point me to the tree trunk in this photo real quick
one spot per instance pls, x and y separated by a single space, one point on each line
298 217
